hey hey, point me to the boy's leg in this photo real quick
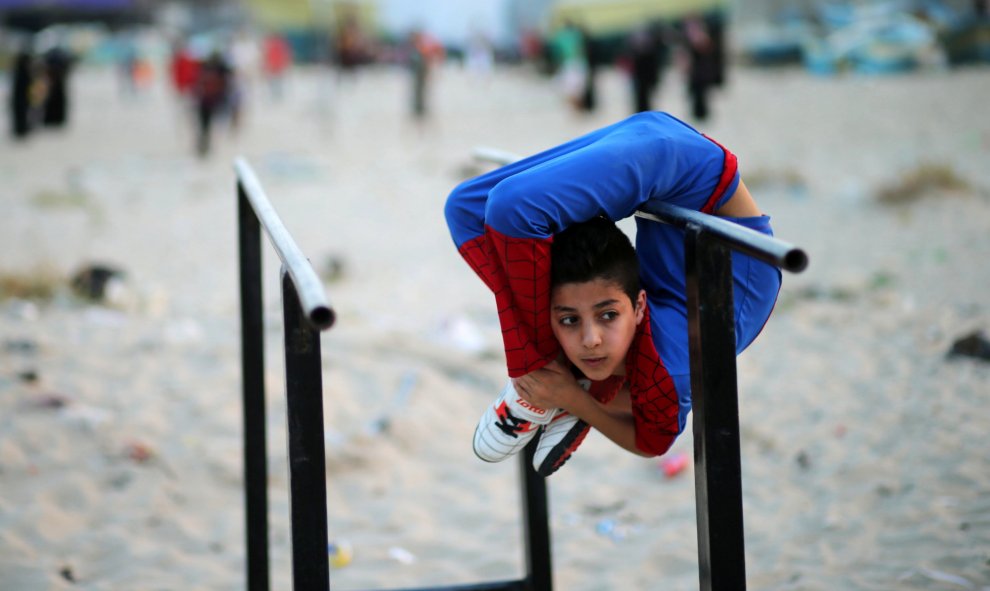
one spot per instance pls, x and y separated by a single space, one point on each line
755 283
507 425
560 438
661 253
558 441
467 204
502 221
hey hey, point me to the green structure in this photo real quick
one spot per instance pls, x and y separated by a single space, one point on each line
609 17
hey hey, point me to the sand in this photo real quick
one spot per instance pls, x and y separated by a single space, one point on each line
865 462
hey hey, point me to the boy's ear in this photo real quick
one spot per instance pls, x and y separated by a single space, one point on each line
640 307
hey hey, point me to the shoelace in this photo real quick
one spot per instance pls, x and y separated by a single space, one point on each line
505 417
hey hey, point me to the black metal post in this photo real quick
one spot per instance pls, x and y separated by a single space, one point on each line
539 572
536 536
253 376
718 475
307 459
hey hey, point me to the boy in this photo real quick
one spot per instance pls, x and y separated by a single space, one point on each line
627 346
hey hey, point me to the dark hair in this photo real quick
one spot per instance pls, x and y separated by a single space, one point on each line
595 249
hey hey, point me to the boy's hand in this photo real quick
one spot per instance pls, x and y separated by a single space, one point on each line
553 386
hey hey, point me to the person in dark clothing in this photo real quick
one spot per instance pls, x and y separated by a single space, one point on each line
22 76
593 58
424 54
58 62
419 66
646 51
211 92
350 45
706 61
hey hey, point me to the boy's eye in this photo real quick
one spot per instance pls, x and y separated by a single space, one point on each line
568 320
610 315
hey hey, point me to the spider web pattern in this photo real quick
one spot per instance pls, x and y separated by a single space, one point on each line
655 405
517 270
607 389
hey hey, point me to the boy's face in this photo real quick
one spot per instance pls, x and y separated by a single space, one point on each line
595 322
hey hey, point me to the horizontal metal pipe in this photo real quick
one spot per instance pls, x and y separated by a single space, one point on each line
740 238
494 155
312 297
517 585
750 242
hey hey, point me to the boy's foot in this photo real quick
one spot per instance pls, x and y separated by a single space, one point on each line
507 426
558 441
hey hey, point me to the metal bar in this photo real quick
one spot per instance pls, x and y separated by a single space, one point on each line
311 294
536 536
307 459
718 475
494 155
253 389
539 571
517 585
742 239
760 246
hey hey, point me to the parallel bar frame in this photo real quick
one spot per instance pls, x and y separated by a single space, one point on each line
306 312
709 242
253 395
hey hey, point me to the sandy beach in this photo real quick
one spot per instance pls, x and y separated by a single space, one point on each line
864 447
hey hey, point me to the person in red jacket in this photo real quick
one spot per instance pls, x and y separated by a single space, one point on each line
184 69
277 58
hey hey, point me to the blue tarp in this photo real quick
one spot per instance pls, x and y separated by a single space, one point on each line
884 37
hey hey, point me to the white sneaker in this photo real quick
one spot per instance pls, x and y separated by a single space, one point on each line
558 441
508 425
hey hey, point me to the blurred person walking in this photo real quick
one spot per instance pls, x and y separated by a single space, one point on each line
184 70
22 80
128 63
593 58
646 57
424 53
480 56
211 93
245 63
706 62
571 63
351 48
55 110
276 55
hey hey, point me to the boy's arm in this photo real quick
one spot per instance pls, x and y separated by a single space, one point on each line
614 420
555 387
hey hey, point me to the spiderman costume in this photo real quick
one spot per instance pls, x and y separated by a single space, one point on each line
503 223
